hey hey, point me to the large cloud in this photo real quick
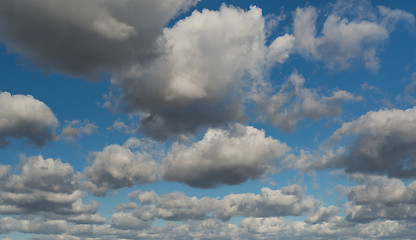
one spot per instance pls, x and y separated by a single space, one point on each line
211 58
22 116
384 143
224 156
85 37
118 166
343 40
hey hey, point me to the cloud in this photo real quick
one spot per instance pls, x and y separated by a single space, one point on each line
211 58
343 40
85 38
287 201
25 117
379 197
384 143
45 187
75 128
120 166
294 102
224 156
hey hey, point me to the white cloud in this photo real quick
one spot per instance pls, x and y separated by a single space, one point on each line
120 166
224 156
343 40
25 117
210 59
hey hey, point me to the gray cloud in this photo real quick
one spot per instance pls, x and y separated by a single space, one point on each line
85 38
120 166
379 197
75 128
22 116
384 143
343 40
224 156
45 187
294 102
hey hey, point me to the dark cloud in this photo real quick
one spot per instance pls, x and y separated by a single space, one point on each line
85 38
224 156
22 116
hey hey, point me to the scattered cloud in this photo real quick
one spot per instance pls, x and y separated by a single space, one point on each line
23 116
75 128
294 102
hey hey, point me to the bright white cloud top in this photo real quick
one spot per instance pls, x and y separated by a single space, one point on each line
189 119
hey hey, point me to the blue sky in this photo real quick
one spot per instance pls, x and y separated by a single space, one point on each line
191 119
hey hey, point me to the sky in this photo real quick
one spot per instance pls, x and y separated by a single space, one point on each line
189 119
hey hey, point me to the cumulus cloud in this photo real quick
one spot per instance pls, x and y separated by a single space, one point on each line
211 58
287 201
120 166
45 187
294 102
75 128
379 197
384 142
342 39
23 116
224 156
85 38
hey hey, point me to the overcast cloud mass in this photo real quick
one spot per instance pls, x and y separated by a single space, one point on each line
196 119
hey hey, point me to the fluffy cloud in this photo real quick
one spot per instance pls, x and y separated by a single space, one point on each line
75 128
384 143
287 201
211 58
45 187
118 166
85 38
22 116
379 197
224 156
294 102
343 40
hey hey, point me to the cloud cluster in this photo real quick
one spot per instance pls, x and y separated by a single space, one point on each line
287 201
120 166
379 197
294 102
85 38
224 156
343 40
23 116
48 188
